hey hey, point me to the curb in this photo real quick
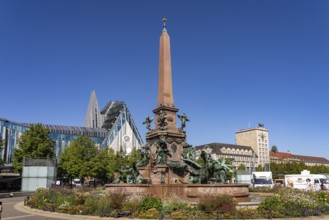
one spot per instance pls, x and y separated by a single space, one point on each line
20 207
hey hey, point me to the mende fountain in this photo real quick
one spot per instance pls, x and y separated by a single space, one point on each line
168 165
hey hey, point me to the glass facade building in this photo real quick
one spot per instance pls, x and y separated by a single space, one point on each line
9 133
116 129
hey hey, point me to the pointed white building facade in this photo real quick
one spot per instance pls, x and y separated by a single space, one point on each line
116 119
92 119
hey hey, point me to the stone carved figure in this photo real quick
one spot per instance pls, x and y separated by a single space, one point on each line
213 171
188 151
183 119
128 174
148 121
162 151
162 120
145 156
194 177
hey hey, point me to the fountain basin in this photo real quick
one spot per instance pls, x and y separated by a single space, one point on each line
191 192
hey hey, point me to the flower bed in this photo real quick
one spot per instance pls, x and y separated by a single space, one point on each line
283 203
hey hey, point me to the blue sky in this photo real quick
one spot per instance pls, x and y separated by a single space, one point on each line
234 63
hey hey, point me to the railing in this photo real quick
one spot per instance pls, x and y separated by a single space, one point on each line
46 162
244 214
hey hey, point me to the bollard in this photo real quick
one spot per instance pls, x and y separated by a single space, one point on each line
161 215
218 214
26 199
270 216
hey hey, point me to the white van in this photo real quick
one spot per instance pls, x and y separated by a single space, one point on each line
77 182
262 179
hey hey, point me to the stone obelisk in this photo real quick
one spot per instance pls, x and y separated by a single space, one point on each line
165 140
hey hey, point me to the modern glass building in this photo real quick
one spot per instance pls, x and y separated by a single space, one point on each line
112 127
10 132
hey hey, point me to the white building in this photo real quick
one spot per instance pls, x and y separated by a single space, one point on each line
257 139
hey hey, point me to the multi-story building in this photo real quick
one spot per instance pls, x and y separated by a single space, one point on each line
111 127
238 154
257 139
286 157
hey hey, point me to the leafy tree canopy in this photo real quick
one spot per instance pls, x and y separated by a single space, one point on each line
241 167
260 168
2 162
297 168
34 143
2 143
274 149
133 157
77 160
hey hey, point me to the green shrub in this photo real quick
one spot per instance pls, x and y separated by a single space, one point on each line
322 197
37 199
118 199
272 202
224 203
284 203
105 207
149 214
244 213
43 197
264 189
132 205
150 202
291 203
175 204
297 199
91 204
271 206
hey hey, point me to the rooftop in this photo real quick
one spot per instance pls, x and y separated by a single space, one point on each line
285 155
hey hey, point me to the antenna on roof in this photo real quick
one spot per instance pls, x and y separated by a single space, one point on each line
249 124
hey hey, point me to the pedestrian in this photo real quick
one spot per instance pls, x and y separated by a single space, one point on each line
0 209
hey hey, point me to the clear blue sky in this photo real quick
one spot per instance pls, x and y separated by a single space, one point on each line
234 63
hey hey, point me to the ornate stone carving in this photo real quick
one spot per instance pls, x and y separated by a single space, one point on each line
145 156
162 152
183 119
162 120
147 122
174 148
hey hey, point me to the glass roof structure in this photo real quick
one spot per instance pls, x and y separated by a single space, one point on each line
112 127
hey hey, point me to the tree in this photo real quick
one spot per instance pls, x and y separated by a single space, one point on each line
297 167
34 143
241 167
111 164
274 149
133 157
104 165
260 168
77 160
2 143
2 162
